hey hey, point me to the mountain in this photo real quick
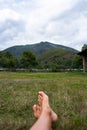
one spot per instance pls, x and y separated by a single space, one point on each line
48 55
37 48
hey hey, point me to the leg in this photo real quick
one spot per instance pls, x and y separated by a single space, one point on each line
44 113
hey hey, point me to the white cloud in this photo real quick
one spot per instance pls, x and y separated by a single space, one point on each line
11 25
8 14
32 21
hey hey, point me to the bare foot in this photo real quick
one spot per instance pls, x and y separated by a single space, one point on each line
43 102
37 110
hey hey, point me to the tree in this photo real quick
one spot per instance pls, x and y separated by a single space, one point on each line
28 59
1 59
84 47
77 62
7 60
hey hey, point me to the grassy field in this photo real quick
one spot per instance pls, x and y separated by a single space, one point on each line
67 93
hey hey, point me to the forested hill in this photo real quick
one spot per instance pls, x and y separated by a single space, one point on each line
37 48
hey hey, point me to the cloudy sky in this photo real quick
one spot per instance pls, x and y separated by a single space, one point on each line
31 21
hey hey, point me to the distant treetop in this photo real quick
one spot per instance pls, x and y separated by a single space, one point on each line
84 47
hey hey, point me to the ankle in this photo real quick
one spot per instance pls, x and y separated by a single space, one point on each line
47 111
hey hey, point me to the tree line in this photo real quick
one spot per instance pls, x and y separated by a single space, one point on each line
28 60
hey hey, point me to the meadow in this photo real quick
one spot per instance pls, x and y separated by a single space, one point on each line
67 93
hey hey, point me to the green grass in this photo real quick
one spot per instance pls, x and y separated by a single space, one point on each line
67 93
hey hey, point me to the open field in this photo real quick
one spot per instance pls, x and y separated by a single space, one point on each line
67 92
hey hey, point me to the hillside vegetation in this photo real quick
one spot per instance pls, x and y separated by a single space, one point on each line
57 58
